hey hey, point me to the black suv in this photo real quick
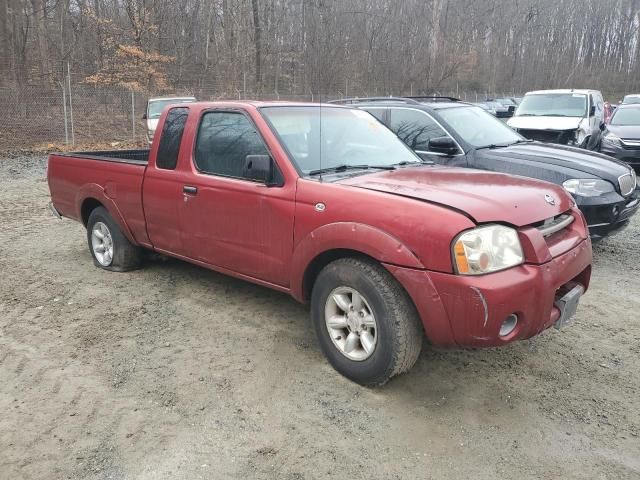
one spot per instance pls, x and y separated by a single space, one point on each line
447 131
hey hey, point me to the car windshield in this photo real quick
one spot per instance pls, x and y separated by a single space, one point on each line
626 117
631 99
478 127
327 137
157 106
553 105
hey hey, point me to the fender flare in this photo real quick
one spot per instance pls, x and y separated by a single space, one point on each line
97 192
359 237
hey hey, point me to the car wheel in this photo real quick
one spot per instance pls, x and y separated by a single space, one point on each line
110 249
366 324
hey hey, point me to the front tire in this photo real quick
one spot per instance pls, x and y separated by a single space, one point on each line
110 249
366 324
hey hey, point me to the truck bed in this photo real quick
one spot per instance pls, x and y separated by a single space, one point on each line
137 157
112 177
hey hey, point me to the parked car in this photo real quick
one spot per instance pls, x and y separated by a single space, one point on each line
621 136
509 103
568 117
631 99
501 110
326 204
155 106
608 112
460 134
486 107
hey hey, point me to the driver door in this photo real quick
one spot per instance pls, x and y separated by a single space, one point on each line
228 220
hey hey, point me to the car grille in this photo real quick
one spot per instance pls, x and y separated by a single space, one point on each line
627 183
630 144
550 136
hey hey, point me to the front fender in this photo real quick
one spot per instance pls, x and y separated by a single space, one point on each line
359 237
93 190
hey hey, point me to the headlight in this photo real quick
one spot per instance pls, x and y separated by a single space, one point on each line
487 249
612 138
587 187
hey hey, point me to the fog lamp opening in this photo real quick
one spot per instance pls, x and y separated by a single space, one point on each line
509 325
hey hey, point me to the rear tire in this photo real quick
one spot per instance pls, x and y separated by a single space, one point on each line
366 324
110 249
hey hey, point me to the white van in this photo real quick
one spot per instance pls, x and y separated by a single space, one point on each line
155 106
568 117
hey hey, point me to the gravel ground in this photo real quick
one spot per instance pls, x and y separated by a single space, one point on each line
176 372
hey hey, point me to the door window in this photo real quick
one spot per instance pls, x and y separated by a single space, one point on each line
377 112
171 138
415 128
224 141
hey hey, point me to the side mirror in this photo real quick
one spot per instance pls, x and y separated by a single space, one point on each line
603 126
444 145
261 168
144 116
592 111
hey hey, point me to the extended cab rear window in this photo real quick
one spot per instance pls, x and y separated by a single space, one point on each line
171 138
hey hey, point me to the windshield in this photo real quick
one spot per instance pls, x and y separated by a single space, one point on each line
478 127
631 99
157 106
325 137
626 117
553 105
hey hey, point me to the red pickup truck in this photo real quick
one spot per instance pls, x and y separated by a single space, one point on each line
326 204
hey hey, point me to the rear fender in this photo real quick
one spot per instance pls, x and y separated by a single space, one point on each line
358 237
92 190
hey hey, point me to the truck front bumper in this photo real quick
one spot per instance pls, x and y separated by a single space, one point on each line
470 311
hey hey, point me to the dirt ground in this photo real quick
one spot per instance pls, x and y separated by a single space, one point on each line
176 372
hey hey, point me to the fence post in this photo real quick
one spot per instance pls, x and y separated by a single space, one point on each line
64 109
73 135
133 115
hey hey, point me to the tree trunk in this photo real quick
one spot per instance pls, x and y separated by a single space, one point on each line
257 33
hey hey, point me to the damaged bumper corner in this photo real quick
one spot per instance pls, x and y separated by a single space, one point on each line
471 311
54 211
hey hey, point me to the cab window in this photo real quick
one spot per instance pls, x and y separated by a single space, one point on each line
171 138
223 143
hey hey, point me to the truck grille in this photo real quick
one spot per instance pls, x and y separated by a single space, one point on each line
627 183
550 136
555 224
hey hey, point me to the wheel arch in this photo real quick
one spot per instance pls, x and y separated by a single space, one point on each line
339 240
92 196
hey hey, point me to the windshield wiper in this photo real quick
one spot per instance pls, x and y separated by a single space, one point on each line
494 145
404 163
344 167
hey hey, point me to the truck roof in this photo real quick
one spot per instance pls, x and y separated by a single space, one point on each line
262 103
182 97
564 90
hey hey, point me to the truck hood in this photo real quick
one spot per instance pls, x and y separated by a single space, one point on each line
553 163
483 196
545 123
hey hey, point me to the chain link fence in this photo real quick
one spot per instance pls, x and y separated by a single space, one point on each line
49 116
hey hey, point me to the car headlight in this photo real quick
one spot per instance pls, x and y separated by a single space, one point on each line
487 249
612 138
587 187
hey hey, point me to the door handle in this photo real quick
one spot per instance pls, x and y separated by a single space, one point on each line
189 189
